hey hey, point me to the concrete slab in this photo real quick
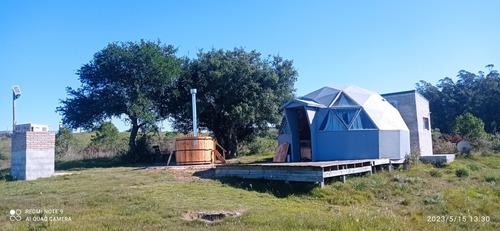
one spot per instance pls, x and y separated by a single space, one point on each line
438 158
62 173
398 161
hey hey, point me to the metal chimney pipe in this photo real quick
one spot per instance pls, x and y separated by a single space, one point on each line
195 129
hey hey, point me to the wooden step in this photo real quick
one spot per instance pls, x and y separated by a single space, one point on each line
220 157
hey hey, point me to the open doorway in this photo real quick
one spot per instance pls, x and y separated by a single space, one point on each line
300 134
304 135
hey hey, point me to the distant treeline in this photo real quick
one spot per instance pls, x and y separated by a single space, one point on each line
478 94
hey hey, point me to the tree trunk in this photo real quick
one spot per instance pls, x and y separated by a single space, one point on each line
233 148
133 135
233 144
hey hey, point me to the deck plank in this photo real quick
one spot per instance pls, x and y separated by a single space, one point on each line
299 171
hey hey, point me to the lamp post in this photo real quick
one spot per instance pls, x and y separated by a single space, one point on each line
195 129
16 93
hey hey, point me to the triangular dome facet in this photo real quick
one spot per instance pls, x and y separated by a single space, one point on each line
324 96
332 123
347 115
362 121
344 101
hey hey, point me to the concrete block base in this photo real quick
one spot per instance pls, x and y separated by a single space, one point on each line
438 159
32 155
32 164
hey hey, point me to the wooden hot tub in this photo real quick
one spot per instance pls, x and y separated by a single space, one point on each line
194 150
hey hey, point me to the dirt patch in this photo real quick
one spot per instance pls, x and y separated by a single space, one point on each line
186 174
210 217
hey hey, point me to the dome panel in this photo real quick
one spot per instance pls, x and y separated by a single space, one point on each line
383 114
344 101
359 95
347 115
363 121
326 100
324 96
332 123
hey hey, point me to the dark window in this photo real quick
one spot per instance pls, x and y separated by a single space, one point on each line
427 126
332 123
363 121
347 115
341 119
343 101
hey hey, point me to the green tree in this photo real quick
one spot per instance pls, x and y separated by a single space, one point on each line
475 93
239 94
126 80
488 100
107 136
64 141
439 104
469 126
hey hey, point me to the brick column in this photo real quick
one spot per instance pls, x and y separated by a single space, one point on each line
32 155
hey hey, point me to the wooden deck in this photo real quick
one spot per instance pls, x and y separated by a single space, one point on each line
302 171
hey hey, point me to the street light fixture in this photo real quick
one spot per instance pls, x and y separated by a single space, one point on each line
16 93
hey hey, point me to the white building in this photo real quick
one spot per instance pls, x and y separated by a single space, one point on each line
414 109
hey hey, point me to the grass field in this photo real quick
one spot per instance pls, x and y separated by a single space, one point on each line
105 194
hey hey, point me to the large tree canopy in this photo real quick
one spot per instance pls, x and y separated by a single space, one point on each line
124 80
478 94
239 93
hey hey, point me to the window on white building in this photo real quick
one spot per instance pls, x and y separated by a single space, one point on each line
427 125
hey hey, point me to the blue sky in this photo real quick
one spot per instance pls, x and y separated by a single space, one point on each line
383 46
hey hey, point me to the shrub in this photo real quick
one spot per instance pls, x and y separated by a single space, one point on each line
433 199
495 142
435 173
402 187
445 143
483 144
443 147
470 126
462 172
466 154
486 153
436 134
406 179
473 167
257 145
413 159
92 152
358 185
107 137
492 177
64 141
454 138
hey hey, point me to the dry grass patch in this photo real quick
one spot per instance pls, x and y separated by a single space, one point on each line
210 216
